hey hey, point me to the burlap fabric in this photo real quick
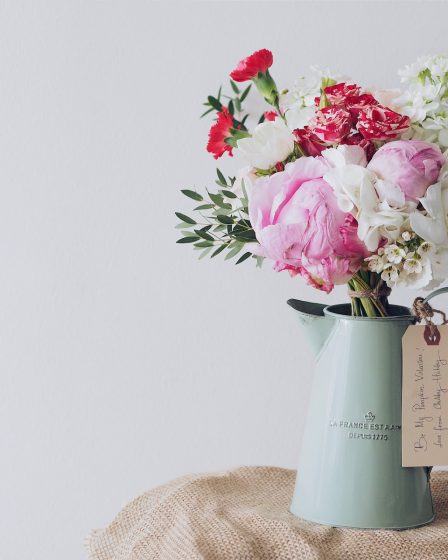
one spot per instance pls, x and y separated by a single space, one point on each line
243 515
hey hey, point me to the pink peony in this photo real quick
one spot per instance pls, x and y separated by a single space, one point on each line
300 226
412 165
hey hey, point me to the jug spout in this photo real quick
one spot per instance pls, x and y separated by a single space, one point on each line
313 321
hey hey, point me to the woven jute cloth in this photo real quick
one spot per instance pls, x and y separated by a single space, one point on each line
243 515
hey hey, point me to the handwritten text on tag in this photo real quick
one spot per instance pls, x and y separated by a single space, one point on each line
425 398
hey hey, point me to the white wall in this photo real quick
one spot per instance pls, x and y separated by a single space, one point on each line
124 361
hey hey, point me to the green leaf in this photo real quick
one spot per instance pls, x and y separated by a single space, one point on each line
231 108
204 244
224 219
183 225
217 105
234 251
220 249
221 178
206 112
219 93
205 252
245 236
187 239
185 218
234 87
204 235
188 233
237 104
229 194
217 199
204 207
192 194
220 227
243 258
245 93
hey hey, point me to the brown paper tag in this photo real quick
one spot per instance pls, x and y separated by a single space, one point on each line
425 397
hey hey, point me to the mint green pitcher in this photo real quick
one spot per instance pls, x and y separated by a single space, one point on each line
349 472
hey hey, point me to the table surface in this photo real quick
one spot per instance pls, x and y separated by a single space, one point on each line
243 514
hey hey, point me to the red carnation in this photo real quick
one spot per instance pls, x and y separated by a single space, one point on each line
219 132
309 142
337 94
251 66
354 103
357 139
380 123
331 124
270 115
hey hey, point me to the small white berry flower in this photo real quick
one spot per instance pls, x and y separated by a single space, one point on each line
406 235
426 248
394 254
375 263
413 266
390 274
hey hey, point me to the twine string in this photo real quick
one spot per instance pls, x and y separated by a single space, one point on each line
423 311
371 293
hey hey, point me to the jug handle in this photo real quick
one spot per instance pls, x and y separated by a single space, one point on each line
435 293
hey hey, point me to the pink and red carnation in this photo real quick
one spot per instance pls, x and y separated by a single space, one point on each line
376 122
309 142
250 67
338 93
218 134
331 124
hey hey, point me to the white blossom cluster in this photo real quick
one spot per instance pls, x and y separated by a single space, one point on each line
407 262
425 101
298 102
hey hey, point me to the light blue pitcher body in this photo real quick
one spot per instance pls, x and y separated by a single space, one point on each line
349 472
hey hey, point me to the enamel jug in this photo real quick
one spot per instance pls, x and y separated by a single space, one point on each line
349 472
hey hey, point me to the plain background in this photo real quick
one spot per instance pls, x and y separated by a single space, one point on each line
125 362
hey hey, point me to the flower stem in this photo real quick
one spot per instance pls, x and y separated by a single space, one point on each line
372 306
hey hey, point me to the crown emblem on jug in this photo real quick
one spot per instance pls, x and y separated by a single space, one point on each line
369 417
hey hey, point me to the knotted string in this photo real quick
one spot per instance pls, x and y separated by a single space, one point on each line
423 311
374 293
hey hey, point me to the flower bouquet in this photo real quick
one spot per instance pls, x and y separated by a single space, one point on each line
342 184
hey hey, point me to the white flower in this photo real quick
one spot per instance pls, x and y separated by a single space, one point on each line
348 182
394 254
345 155
426 249
375 263
307 88
298 116
270 143
390 274
406 235
378 208
413 265
416 280
439 265
386 97
433 226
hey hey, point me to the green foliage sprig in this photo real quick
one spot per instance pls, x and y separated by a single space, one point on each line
218 224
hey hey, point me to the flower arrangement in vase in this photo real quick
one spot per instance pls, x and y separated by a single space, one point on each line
342 184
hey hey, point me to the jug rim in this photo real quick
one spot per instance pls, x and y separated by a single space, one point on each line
343 311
